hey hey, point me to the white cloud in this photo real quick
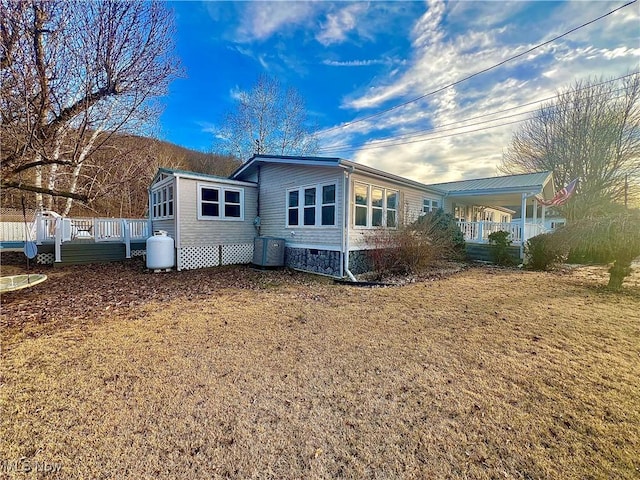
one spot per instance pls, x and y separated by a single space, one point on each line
485 34
358 63
338 24
260 20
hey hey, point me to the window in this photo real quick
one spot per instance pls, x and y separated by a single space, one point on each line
162 202
430 205
312 206
293 207
362 202
328 213
557 224
232 207
375 206
220 203
392 209
504 218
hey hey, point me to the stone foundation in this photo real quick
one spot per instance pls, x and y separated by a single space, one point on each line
326 262
359 262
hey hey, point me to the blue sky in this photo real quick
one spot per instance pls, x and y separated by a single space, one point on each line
353 59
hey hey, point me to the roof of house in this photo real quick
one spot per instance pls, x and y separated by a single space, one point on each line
198 176
519 181
329 162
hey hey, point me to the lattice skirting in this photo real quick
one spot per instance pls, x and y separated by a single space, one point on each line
239 253
138 253
214 255
45 258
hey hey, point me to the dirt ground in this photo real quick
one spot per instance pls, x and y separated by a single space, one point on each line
112 372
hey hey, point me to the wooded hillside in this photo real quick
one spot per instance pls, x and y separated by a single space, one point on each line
118 175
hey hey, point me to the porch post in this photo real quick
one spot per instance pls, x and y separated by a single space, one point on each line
127 237
535 210
39 227
544 211
523 220
58 239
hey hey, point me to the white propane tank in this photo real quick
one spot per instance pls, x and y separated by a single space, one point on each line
160 252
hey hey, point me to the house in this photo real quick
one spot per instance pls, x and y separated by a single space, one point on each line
326 209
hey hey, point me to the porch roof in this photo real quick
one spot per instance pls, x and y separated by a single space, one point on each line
506 190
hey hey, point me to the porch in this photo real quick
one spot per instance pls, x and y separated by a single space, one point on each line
478 232
86 240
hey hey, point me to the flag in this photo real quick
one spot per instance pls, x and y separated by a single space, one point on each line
561 197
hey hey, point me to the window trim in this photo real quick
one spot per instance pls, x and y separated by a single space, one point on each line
430 208
221 202
163 196
385 192
318 205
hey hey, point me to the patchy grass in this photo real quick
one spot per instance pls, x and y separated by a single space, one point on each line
234 373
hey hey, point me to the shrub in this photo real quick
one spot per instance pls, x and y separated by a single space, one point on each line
542 252
614 238
500 243
417 246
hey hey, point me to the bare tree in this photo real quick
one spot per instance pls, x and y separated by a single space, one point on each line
73 74
267 120
590 132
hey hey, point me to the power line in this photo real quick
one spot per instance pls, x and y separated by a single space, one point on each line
382 142
382 112
399 143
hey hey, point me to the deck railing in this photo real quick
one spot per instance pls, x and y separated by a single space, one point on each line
51 227
478 232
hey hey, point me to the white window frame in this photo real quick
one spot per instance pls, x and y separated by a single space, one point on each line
221 202
163 202
385 193
430 205
317 205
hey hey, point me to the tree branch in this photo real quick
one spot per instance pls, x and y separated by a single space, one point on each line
33 188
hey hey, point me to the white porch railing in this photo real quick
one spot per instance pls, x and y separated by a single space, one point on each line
478 232
51 227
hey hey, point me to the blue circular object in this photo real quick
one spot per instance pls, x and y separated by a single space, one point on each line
30 249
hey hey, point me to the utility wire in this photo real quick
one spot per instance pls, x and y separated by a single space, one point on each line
419 133
415 133
382 112
399 143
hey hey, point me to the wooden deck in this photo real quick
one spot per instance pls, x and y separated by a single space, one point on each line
80 251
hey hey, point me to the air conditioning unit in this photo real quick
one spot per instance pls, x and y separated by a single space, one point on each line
268 252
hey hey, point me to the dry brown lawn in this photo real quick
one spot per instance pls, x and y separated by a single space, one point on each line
111 372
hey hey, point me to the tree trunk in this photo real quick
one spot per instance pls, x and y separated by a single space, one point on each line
617 274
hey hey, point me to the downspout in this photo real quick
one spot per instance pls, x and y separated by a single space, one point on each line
176 218
346 184
256 221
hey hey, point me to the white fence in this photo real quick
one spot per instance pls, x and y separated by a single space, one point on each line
16 231
478 232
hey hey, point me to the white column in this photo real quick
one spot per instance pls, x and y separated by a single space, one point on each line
523 219
58 239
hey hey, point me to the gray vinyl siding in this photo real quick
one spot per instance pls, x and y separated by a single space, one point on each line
168 225
409 206
194 232
275 180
